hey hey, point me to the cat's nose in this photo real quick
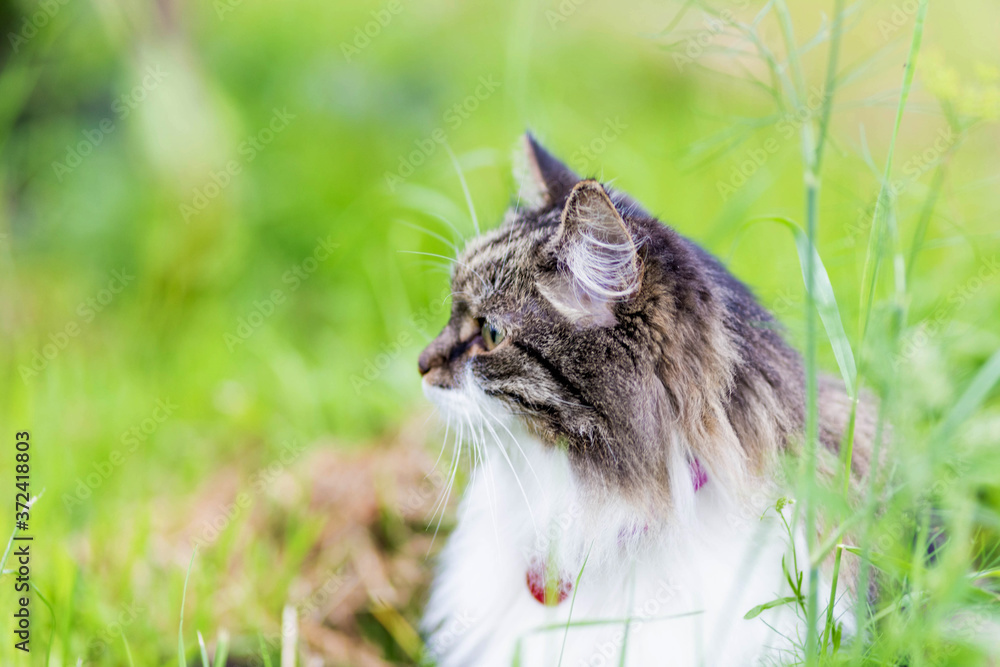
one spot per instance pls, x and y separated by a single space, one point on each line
429 358
436 353
440 351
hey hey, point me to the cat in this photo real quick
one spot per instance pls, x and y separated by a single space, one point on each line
627 402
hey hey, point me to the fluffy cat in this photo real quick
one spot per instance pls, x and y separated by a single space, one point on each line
626 400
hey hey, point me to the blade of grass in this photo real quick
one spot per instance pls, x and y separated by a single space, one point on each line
831 79
264 654
870 271
677 18
628 624
10 542
181 655
128 651
52 615
610 621
221 649
203 651
828 626
973 396
927 212
811 150
6 552
761 608
398 628
825 301
847 446
885 193
572 602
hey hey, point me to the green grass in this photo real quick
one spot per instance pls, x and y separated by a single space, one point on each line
892 287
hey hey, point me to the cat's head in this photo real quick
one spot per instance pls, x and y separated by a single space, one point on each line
600 328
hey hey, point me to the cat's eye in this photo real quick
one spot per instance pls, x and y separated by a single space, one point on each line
491 336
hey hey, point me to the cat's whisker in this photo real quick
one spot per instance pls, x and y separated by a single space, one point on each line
429 254
465 186
492 480
486 285
447 495
438 504
444 445
437 500
564 401
610 450
516 444
520 189
458 234
432 413
483 456
513 470
424 230
437 265
452 467
452 295
491 499
492 505
510 232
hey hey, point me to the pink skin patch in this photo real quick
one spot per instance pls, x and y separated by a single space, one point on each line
698 475
626 533
548 590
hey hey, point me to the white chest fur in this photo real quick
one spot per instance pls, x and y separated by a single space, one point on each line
673 596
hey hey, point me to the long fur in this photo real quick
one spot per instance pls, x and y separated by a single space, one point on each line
629 355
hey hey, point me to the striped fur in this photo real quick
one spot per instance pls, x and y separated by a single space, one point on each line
628 347
680 345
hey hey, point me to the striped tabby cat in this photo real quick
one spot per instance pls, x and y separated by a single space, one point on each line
626 400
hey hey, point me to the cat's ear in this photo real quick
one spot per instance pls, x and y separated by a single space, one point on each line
543 180
598 256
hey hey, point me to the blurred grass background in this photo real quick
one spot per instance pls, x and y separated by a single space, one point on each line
235 164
